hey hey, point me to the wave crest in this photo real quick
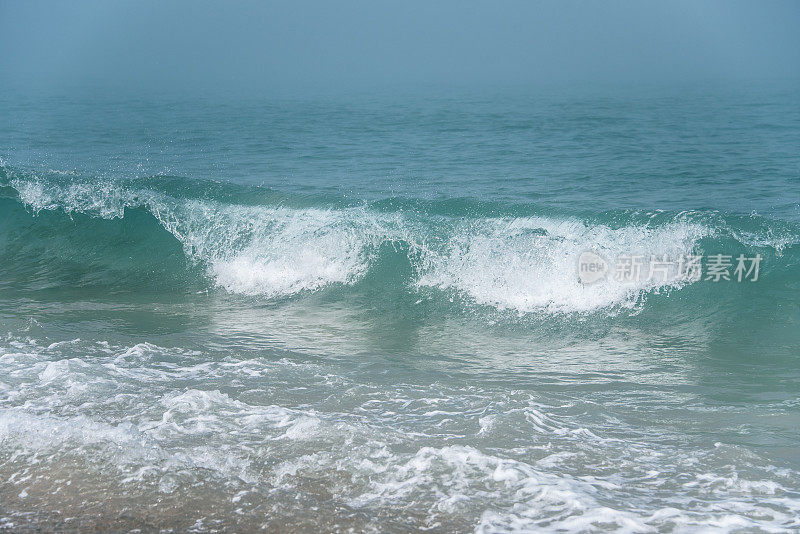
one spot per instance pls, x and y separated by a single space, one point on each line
526 264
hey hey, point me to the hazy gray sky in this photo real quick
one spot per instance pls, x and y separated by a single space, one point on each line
284 46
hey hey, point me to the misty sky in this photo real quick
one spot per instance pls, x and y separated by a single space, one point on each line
286 46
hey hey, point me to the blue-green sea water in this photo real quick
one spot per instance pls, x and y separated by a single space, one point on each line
364 313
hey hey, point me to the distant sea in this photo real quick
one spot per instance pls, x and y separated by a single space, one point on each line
365 311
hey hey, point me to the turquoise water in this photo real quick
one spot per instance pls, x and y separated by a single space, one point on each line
364 312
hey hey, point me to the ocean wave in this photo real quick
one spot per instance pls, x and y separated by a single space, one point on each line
530 264
525 264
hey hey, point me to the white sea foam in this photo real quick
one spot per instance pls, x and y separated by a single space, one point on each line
253 250
276 252
522 264
156 420
530 264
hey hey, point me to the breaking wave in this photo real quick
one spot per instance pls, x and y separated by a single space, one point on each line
177 234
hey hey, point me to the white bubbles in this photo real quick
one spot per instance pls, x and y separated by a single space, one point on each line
529 264
521 264
158 422
275 252
526 265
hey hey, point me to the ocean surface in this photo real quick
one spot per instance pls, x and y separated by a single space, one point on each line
364 312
